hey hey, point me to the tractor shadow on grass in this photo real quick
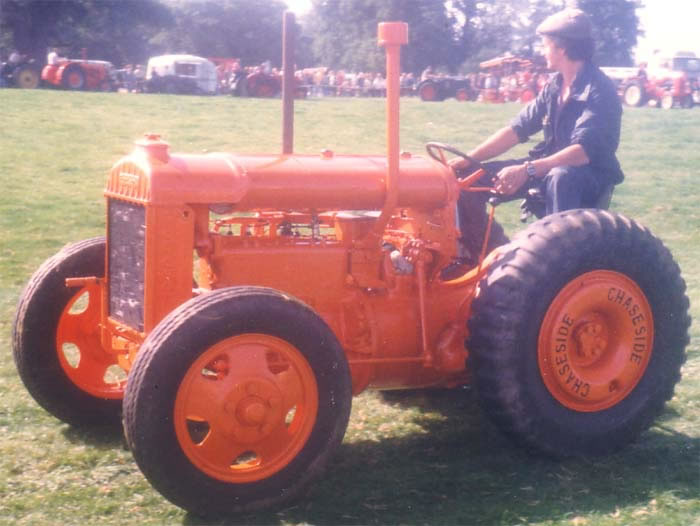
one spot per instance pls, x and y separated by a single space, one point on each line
459 470
103 437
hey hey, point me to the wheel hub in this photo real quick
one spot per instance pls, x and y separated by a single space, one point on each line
246 407
255 409
595 341
591 338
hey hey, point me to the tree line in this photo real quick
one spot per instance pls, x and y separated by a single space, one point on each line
453 35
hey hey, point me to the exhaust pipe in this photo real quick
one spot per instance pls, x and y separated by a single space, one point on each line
391 35
288 33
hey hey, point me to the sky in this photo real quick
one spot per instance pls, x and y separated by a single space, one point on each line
670 25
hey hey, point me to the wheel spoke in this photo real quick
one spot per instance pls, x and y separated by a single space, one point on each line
292 390
73 326
205 399
274 445
250 361
91 372
218 449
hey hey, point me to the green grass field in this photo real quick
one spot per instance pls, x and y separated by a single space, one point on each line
428 459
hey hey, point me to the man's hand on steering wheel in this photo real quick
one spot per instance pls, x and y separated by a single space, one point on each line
462 164
510 179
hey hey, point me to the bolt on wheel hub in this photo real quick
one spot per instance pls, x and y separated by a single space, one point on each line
591 340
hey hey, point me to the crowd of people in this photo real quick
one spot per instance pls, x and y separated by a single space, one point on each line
316 82
323 82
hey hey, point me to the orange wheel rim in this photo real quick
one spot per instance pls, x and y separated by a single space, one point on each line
80 351
428 92
74 80
595 341
246 407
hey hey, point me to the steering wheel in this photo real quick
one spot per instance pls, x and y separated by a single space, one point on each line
437 150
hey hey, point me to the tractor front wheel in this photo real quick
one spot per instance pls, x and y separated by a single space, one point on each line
56 340
236 401
578 333
667 101
73 77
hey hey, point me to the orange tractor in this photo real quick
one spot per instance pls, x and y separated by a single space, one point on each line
76 74
320 276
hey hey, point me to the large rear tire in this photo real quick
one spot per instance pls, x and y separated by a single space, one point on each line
237 401
429 91
578 333
56 340
633 94
26 77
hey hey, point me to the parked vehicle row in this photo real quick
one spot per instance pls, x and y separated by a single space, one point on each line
665 81
181 74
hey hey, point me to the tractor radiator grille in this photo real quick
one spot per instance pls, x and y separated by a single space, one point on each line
126 248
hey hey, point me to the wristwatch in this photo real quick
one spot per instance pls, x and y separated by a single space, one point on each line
530 170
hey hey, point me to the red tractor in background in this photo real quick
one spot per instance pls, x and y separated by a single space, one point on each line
664 82
318 276
510 79
77 74
437 88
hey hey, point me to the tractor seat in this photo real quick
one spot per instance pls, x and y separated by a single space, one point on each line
534 203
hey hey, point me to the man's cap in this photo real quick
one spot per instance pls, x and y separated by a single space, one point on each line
569 23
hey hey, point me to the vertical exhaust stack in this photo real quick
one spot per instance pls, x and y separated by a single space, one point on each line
391 35
288 34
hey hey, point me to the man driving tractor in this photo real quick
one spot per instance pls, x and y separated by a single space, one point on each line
580 113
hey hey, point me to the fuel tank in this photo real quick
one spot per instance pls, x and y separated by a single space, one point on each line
326 181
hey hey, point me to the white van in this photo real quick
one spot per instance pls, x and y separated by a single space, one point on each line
181 74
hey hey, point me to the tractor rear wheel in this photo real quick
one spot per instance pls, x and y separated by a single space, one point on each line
56 340
633 94
578 333
26 77
236 401
429 92
462 94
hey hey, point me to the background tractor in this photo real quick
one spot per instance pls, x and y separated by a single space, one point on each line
439 88
19 72
77 74
320 276
665 81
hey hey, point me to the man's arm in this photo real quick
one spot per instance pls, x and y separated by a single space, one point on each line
573 155
498 143
513 177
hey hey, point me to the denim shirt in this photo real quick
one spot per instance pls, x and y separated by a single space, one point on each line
590 117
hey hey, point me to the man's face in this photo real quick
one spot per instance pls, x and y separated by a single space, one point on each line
553 54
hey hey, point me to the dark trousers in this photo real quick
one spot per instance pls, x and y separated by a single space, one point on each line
564 188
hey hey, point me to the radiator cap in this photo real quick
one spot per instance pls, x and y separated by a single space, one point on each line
154 147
